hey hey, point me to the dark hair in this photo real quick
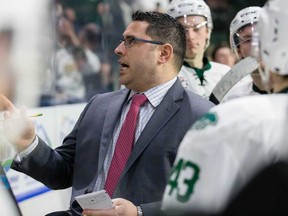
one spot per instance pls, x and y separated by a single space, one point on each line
162 27
217 48
92 33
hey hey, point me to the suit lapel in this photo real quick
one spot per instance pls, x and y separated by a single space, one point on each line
163 113
112 116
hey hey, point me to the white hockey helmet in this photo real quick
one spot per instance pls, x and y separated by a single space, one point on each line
180 8
244 17
270 39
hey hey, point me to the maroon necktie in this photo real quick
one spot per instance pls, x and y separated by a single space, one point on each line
124 143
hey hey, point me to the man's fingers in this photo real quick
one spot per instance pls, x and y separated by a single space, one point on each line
6 104
7 115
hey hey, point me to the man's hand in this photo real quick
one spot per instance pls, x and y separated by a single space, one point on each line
16 127
122 207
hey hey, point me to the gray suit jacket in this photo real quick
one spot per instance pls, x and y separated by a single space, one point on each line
78 161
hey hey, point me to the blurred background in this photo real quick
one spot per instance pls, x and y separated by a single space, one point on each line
83 35
55 55
111 17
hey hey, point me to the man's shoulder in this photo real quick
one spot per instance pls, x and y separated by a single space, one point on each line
111 94
243 113
198 101
105 99
255 108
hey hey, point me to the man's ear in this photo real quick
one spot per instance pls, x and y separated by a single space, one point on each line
166 53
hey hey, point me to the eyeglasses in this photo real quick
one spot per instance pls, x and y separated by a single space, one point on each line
130 41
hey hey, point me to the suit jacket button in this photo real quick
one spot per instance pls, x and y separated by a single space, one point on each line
88 191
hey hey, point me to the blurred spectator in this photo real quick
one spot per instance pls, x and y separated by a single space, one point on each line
64 73
222 13
156 5
58 8
126 11
70 87
241 4
95 69
7 78
90 37
159 8
104 17
70 14
110 19
222 53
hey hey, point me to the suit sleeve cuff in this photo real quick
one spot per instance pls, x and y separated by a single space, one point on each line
28 150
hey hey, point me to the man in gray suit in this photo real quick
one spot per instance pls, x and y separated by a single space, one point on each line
150 56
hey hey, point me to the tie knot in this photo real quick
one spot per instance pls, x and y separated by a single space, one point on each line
139 99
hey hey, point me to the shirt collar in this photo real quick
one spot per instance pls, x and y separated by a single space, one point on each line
156 94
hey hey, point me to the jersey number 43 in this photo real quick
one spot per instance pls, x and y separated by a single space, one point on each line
182 179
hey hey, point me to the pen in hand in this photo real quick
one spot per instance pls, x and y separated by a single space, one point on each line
31 116
36 115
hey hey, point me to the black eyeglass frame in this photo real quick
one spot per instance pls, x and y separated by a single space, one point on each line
133 39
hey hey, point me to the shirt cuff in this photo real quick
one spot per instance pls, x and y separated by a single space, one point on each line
28 150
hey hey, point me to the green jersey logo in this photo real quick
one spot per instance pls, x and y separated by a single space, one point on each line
207 119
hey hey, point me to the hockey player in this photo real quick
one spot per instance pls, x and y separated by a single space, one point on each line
197 73
230 144
241 30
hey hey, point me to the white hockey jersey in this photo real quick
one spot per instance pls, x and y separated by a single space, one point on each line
239 90
223 150
212 73
243 88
